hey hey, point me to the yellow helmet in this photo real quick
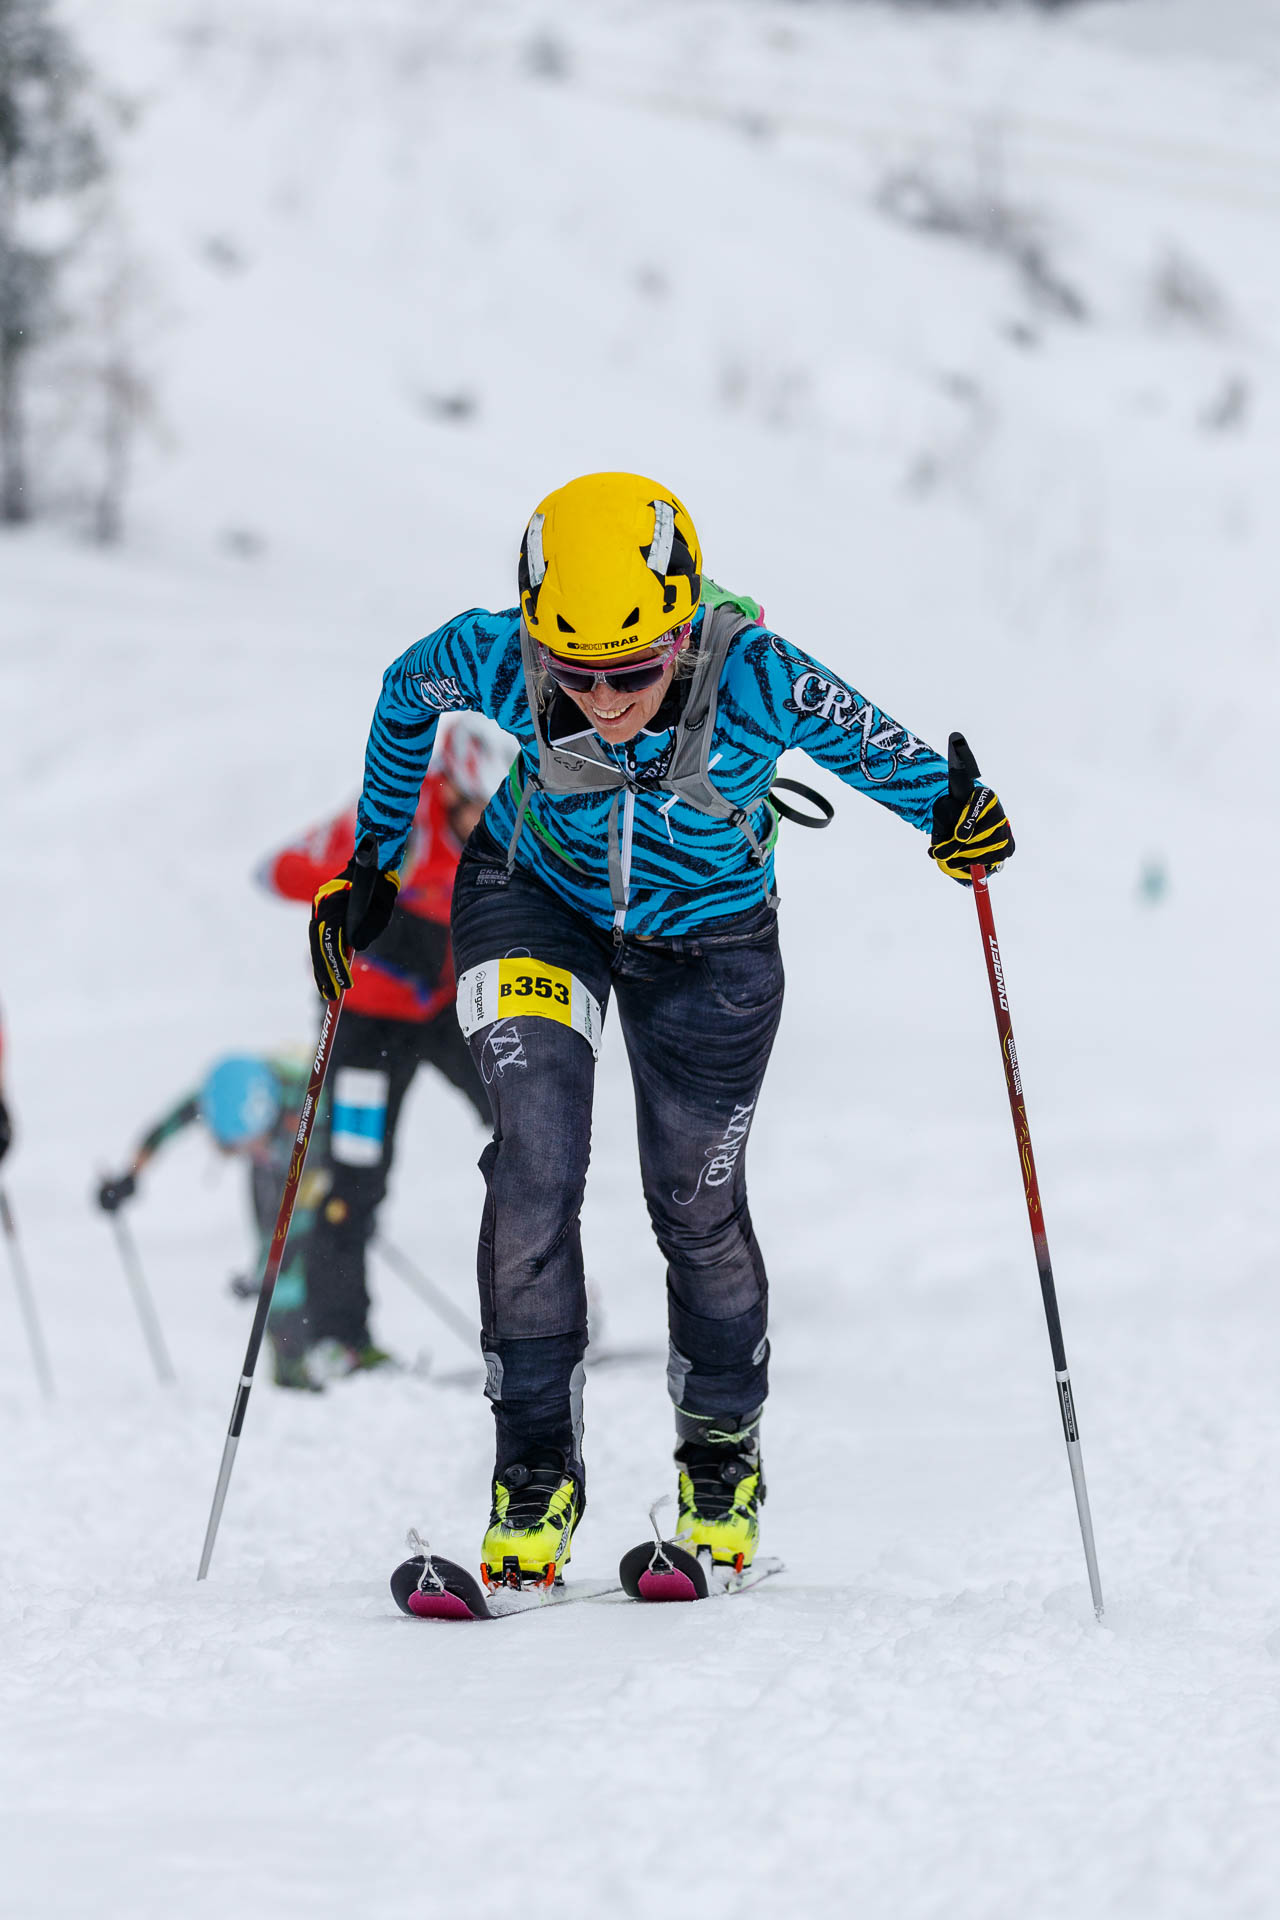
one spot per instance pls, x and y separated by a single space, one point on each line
608 564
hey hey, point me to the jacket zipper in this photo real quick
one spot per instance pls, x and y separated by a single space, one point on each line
628 828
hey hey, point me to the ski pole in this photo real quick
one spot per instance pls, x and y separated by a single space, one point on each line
143 1303
275 1256
963 770
428 1291
26 1299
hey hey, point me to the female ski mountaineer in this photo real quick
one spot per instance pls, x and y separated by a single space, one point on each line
630 852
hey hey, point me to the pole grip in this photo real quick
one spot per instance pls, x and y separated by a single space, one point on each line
962 768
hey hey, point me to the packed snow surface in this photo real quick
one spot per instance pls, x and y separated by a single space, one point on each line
959 335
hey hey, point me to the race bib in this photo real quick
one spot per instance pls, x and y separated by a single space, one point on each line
508 989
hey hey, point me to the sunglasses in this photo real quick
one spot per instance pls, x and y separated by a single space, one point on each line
631 677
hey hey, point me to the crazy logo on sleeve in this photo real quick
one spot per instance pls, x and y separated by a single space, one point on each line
882 745
440 691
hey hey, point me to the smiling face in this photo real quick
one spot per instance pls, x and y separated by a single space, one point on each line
618 717
616 713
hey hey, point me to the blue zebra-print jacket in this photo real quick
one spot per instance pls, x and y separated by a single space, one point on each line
686 869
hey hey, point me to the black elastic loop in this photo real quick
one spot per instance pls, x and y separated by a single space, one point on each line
825 807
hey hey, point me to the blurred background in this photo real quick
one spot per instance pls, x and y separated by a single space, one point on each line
957 329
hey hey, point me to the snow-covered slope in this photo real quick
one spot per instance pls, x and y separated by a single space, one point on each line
419 263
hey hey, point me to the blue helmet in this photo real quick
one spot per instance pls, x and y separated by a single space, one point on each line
240 1100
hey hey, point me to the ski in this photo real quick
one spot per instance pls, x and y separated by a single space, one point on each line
660 1570
427 1587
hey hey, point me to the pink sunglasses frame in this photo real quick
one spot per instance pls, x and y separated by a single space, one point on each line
675 635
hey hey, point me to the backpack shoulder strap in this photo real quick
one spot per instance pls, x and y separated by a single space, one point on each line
687 774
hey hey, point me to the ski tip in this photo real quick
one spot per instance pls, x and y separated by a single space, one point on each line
667 1584
437 1590
439 1606
670 1574
651 1573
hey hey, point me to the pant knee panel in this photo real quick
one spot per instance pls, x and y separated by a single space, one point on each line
358 1121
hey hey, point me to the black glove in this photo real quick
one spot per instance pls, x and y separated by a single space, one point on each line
347 913
6 1129
970 827
115 1190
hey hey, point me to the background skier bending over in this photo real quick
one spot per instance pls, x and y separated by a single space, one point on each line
248 1104
629 853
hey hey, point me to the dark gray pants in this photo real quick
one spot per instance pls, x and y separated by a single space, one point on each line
698 1016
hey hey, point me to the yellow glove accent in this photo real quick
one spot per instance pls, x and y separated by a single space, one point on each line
981 836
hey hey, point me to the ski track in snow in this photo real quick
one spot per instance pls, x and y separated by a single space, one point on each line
921 1716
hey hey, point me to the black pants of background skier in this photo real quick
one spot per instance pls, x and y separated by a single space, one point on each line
374 1062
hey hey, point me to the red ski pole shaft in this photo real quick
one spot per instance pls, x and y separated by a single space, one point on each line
1035 1214
275 1257
1017 1108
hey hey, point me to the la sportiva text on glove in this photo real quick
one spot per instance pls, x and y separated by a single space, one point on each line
347 915
974 833
970 827
115 1190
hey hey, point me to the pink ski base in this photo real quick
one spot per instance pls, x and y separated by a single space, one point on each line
439 1606
672 1585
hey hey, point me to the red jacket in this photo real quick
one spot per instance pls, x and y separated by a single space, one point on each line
430 862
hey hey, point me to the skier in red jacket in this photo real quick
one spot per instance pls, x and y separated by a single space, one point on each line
398 1013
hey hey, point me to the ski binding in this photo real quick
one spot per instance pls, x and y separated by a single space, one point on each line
428 1587
663 1570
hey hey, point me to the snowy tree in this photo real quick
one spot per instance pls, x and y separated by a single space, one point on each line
95 393
49 155
124 398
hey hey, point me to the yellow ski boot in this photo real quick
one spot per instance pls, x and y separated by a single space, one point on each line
721 1488
537 1503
